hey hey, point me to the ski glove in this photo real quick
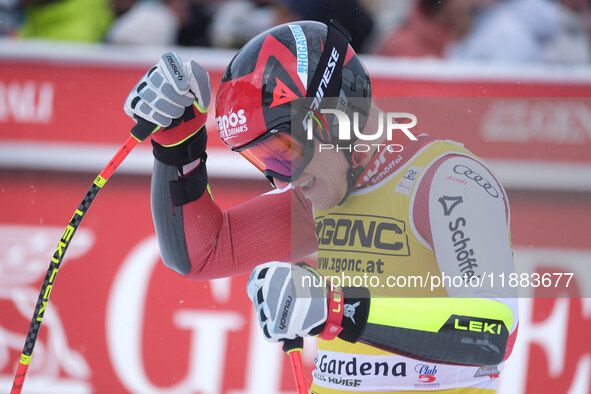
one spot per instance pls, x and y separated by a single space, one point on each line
286 301
175 96
293 301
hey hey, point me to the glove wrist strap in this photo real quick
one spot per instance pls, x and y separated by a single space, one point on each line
332 327
188 151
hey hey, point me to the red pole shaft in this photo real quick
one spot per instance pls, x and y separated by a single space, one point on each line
19 377
118 158
295 356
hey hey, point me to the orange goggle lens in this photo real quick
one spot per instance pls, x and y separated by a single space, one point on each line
278 155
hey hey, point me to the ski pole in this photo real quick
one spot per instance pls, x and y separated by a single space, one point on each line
293 348
139 132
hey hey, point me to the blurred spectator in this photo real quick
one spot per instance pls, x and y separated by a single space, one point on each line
162 22
431 27
72 20
352 14
388 16
572 44
120 7
194 17
9 17
237 21
513 31
143 23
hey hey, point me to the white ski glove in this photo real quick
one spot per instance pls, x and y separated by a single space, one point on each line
287 303
167 89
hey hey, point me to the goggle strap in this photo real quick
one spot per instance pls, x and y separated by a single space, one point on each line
337 40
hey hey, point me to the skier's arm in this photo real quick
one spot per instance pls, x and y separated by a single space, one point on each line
195 236
216 243
462 213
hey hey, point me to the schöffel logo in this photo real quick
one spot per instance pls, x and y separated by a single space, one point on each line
449 203
349 131
365 234
465 255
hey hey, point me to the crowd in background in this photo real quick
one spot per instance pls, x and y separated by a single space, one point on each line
511 31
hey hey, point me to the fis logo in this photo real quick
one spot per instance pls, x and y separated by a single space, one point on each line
366 234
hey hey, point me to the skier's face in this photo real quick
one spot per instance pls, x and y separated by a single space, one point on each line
324 180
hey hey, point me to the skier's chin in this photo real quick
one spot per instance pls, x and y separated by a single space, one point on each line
279 184
321 196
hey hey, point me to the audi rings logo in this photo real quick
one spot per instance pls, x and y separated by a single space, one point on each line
476 177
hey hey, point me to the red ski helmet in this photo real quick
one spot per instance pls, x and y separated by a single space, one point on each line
278 66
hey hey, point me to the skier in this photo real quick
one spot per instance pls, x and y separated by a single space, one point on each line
432 210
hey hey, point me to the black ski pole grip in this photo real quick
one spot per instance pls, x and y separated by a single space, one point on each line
143 129
292 344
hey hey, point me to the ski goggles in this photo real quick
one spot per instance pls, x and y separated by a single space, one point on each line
278 154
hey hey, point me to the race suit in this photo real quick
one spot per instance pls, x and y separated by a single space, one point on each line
432 211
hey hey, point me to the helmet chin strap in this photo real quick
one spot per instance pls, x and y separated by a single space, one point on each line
357 163
353 173
356 168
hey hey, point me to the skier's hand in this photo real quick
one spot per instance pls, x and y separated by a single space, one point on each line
288 300
175 96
